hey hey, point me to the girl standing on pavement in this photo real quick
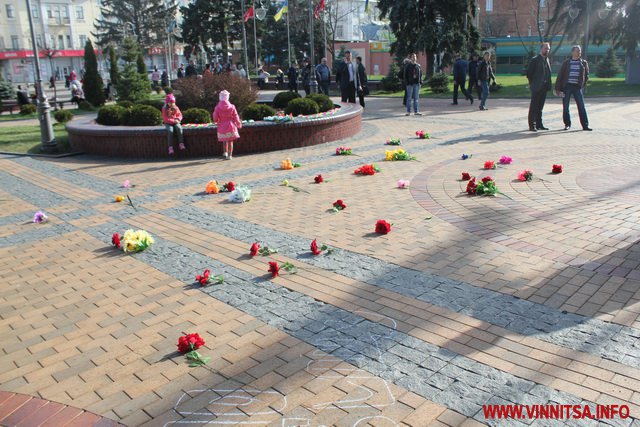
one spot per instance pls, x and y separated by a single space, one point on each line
228 121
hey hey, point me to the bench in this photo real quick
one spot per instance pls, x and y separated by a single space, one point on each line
60 103
9 105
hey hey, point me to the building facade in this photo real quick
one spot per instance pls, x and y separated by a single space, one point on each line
514 18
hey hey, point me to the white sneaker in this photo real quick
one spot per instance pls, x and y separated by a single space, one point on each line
230 157
225 155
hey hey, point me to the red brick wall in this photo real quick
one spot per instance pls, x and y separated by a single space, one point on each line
151 142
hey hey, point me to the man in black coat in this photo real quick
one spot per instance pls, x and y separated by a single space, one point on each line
459 79
539 76
292 76
347 79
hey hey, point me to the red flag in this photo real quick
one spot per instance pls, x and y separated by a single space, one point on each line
250 14
319 8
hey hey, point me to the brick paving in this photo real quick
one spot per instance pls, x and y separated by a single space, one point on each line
531 297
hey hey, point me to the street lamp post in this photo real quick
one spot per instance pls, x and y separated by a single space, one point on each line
244 42
313 84
46 130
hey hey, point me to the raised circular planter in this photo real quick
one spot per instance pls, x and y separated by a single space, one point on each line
150 142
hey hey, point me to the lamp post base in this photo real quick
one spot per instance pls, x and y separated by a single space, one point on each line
47 138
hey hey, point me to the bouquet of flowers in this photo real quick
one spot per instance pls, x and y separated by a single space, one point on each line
393 141
403 183
343 151
132 241
240 194
505 160
367 170
489 164
40 217
280 118
398 154
318 179
556 169
383 227
465 156
188 345
287 164
466 176
205 278
486 187
525 175
422 134
212 187
339 205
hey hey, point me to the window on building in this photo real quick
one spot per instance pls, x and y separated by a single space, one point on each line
541 25
340 31
489 6
39 40
34 12
49 11
69 44
80 13
60 42
83 40
15 44
64 10
11 13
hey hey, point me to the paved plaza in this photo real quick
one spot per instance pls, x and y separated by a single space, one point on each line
530 297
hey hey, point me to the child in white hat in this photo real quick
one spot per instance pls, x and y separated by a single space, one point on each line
228 121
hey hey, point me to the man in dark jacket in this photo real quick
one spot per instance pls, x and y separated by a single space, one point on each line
539 76
485 74
459 79
413 77
191 70
347 79
474 60
571 80
292 76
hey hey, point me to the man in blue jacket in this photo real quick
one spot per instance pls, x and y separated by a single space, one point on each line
459 79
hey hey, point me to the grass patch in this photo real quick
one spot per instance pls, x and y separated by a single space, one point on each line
26 139
17 116
516 86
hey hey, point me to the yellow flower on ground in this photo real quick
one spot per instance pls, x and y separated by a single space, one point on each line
119 199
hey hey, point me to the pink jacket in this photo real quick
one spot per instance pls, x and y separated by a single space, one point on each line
227 119
171 119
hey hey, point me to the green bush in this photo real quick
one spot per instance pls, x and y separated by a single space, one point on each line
93 85
324 102
304 106
85 106
392 82
63 116
6 90
111 115
27 109
439 83
196 116
142 115
608 66
133 86
125 104
257 112
155 103
281 100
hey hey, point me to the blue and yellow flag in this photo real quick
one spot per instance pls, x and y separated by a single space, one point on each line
283 9
366 6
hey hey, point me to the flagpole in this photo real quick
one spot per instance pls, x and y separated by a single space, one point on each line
255 36
244 41
313 84
288 37
324 32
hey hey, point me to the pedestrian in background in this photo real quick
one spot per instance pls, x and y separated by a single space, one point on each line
539 76
571 81
460 79
323 75
413 77
485 74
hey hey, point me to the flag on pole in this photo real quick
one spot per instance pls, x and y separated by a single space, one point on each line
283 9
250 14
318 9
366 6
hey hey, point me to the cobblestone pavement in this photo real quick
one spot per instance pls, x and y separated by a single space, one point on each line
531 297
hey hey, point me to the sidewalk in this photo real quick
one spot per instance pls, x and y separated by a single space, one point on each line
530 297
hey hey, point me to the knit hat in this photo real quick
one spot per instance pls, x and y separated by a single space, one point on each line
170 99
224 95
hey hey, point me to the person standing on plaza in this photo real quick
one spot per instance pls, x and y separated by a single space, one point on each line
347 79
539 76
180 73
460 79
292 76
172 117
571 80
191 70
404 82
485 74
362 78
207 70
226 117
164 79
323 75
155 77
413 78
474 61
306 76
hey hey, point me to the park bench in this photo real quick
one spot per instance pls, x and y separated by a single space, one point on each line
9 105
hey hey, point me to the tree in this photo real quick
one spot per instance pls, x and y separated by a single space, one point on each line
608 66
141 67
132 86
431 26
114 70
144 20
93 86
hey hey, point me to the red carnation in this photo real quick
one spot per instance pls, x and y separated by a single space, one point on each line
314 247
383 227
318 179
115 240
254 249
274 268
489 164
339 204
556 169
204 278
486 179
466 176
189 342
230 186
471 186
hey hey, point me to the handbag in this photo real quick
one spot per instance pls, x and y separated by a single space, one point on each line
365 90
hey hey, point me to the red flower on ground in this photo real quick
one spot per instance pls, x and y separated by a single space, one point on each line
314 247
466 176
365 170
556 169
486 179
489 164
189 342
115 240
204 278
230 186
274 268
383 227
318 179
339 204
254 249
471 186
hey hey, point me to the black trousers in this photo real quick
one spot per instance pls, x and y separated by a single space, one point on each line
466 94
473 83
538 99
349 94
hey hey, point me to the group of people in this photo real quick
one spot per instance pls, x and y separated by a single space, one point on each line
352 79
209 69
570 81
480 75
224 115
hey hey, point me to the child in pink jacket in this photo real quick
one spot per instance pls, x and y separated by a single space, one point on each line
172 117
228 121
